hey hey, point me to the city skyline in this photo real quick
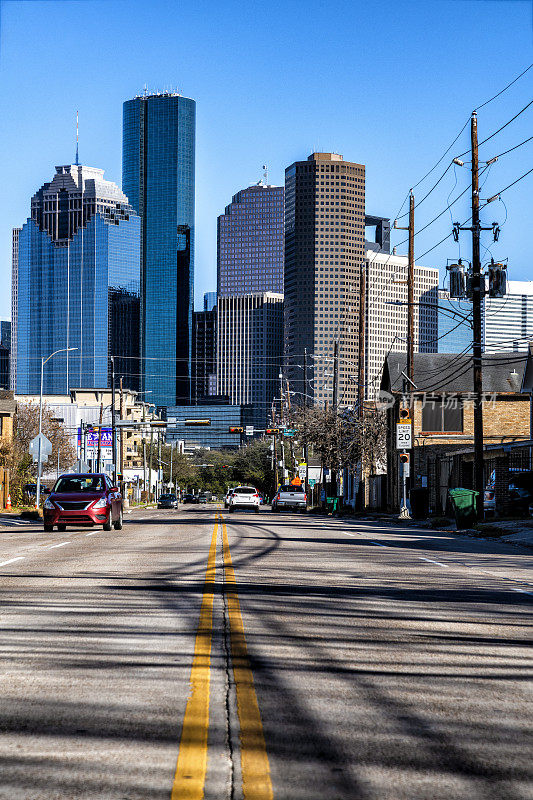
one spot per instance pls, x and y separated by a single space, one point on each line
261 118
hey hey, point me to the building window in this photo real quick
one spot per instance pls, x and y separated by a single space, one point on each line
442 415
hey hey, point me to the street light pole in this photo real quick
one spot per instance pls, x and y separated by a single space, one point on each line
43 362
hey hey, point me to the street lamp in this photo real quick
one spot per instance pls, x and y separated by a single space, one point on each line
43 362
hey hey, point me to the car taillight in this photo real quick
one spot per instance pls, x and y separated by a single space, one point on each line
256 495
305 498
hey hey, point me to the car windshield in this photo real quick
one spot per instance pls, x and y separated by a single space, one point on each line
80 483
244 490
289 488
168 497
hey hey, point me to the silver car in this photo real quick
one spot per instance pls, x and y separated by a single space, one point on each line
289 496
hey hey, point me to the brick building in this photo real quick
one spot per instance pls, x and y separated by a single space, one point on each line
443 419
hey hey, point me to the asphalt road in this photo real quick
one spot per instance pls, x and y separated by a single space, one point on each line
200 654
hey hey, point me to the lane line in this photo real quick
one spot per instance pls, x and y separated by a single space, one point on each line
256 782
191 768
379 544
12 560
58 545
92 534
431 561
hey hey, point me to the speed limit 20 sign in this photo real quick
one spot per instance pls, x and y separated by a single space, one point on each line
403 435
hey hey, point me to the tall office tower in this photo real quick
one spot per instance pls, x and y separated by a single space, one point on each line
386 312
250 242
250 350
14 302
204 349
455 333
508 321
78 285
158 178
210 301
324 252
5 351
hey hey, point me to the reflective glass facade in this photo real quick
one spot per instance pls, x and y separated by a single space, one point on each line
158 178
82 292
250 242
216 434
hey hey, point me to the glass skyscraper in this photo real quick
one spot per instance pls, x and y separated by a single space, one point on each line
158 159
77 285
250 242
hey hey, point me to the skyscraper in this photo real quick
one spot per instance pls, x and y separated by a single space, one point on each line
77 284
250 242
386 312
158 177
14 305
250 350
508 321
204 349
455 332
324 253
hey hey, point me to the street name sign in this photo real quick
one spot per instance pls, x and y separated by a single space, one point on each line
249 430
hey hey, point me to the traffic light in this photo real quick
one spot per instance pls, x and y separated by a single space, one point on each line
404 458
272 431
404 414
236 430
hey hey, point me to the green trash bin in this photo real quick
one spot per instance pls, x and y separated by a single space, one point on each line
464 507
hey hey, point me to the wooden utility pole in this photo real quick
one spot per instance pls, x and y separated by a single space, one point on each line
411 326
477 293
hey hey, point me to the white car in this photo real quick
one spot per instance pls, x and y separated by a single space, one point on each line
244 497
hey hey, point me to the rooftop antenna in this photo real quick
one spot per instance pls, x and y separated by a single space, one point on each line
265 174
77 132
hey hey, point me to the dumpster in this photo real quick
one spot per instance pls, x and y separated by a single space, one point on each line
419 499
464 507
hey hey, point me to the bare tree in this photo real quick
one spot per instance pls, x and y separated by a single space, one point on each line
16 454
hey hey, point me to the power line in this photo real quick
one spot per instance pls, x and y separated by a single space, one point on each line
504 89
509 186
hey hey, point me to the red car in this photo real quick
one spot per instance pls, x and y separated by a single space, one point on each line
83 499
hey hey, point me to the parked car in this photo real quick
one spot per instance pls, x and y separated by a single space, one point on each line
289 496
520 492
31 489
244 497
190 498
83 499
167 501
204 497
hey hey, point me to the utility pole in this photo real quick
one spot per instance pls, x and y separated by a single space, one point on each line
361 343
409 384
99 451
476 322
334 406
306 449
411 325
282 426
150 464
120 438
113 427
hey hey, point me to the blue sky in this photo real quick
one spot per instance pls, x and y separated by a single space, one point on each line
388 84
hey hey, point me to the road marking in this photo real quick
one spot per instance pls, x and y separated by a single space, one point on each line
11 560
189 779
255 768
379 544
58 545
523 591
92 534
430 560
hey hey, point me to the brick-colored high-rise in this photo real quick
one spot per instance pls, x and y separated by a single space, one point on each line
324 251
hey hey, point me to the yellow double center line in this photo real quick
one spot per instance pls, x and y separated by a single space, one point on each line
191 769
